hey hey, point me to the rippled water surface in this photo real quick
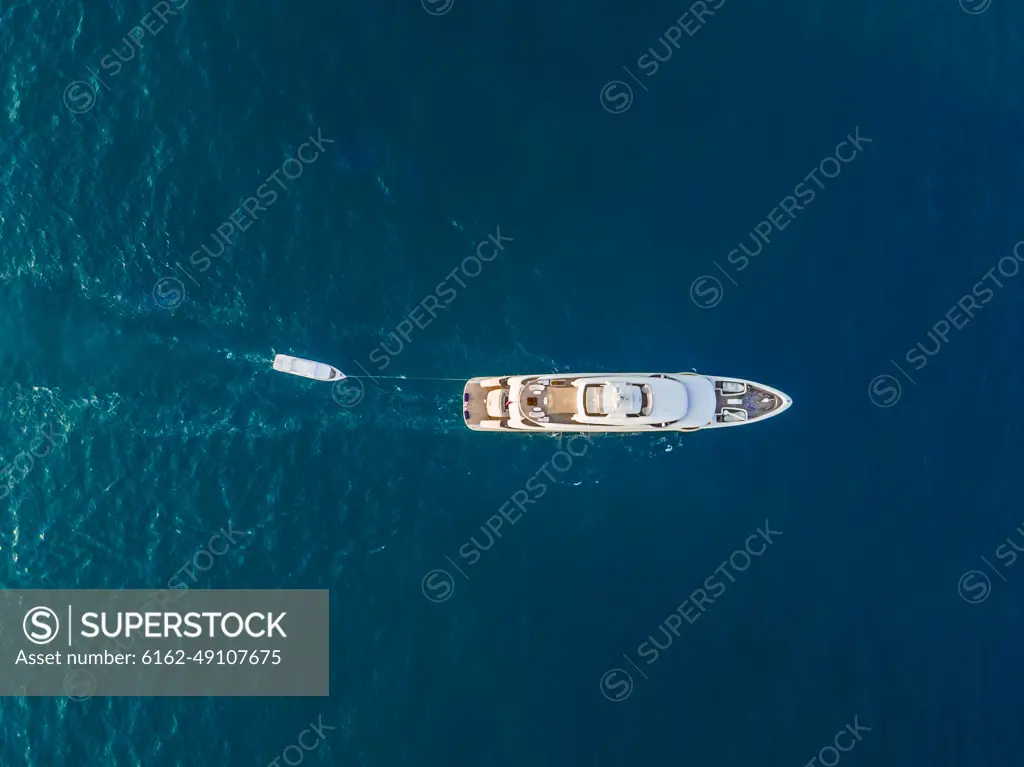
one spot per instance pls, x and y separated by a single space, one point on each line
613 623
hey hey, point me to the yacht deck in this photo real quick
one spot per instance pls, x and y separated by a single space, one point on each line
756 402
545 403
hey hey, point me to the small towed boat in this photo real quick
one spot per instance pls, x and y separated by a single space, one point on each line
297 366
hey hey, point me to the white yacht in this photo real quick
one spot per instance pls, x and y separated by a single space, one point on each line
622 402
297 366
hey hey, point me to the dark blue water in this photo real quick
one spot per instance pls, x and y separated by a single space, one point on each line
150 366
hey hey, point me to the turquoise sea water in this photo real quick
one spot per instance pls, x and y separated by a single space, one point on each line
442 124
